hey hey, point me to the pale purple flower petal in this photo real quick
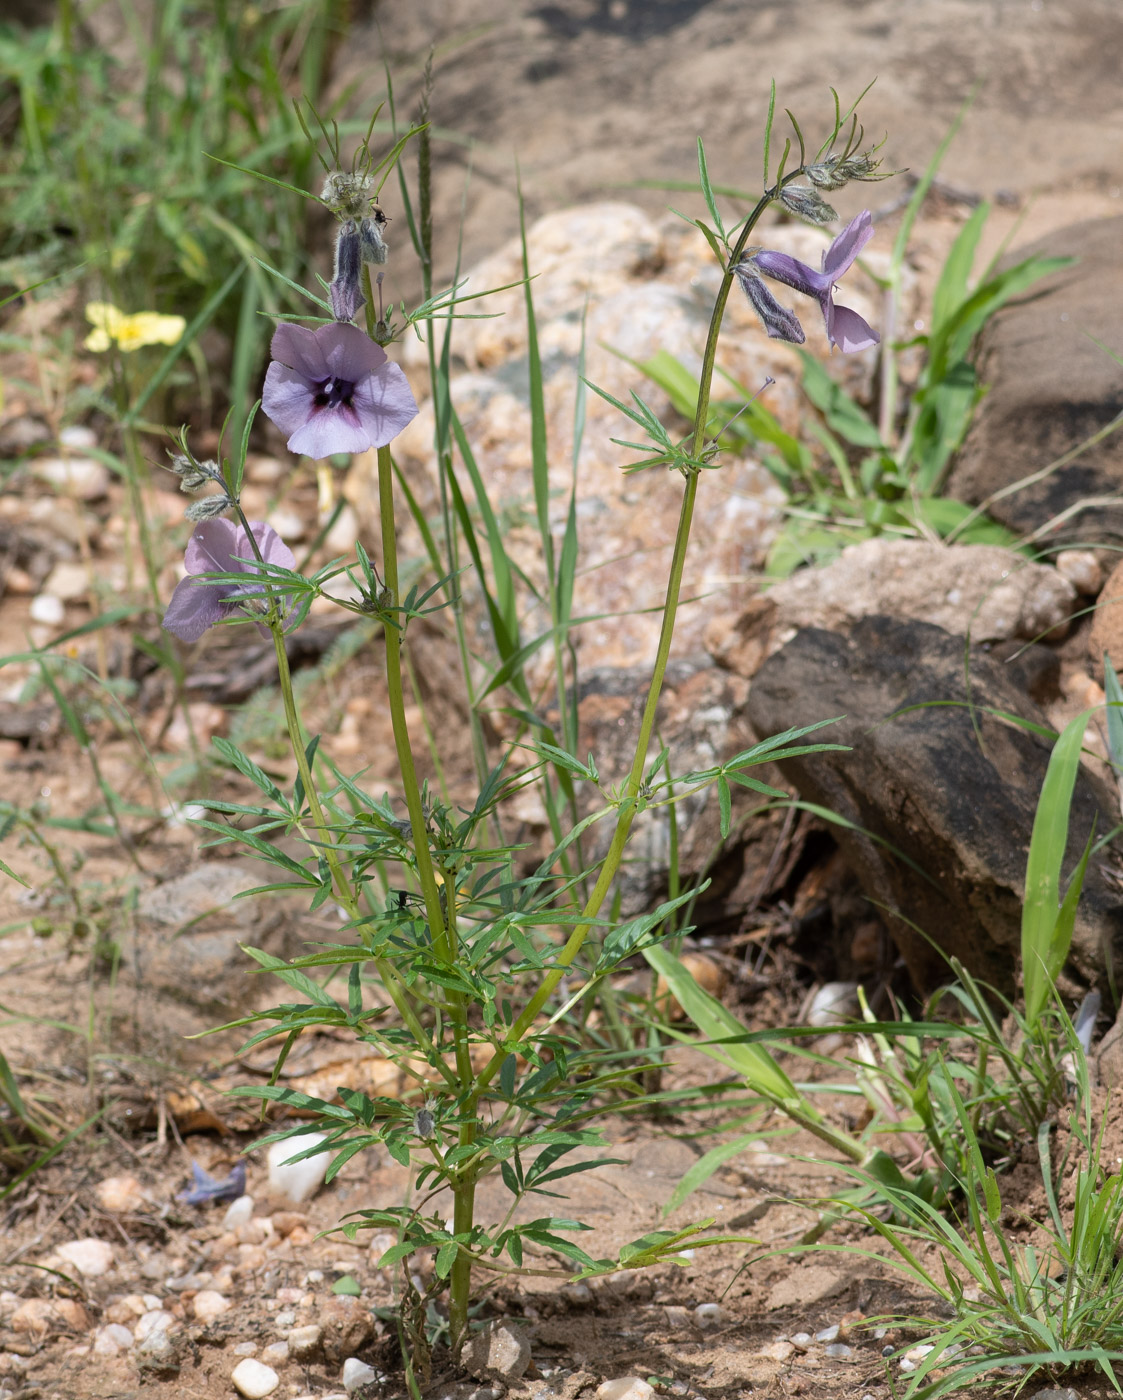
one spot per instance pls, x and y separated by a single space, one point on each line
845 328
849 331
220 547
205 1188
846 247
333 390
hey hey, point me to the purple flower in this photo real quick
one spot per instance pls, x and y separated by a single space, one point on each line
209 1188
220 547
333 390
845 328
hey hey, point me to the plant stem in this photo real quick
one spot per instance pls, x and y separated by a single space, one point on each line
442 928
628 804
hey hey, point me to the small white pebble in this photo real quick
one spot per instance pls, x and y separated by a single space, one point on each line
828 1334
314 1276
111 1339
625 1388
296 1181
245 1349
284 1319
48 609
801 1340
208 1305
356 1374
253 1380
276 1353
838 1350
156 1321
91 1258
918 1353
708 1315
305 1341
239 1212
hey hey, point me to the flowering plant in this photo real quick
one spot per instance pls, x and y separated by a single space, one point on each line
459 978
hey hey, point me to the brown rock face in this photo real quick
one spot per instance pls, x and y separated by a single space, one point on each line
1050 387
948 810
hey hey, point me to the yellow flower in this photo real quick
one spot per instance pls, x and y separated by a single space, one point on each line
130 332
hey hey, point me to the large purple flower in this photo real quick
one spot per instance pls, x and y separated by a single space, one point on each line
333 390
845 328
220 547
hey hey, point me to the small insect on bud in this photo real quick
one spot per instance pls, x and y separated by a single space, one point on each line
347 299
370 234
425 1120
347 195
780 323
208 508
803 201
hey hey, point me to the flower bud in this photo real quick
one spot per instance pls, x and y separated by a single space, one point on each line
803 201
836 171
347 195
193 476
780 323
347 299
208 507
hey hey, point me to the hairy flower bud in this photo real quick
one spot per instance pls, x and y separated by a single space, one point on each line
780 323
347 299
193 476
836 171
347 195
208 508
803 201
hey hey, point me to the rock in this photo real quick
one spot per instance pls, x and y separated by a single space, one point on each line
1082 569
305 1342
120 1195
625 1388
347 1325
1106 634
498 1352
91 1258
68 581
276 1353
709 975
357 1374
343 534
777 1351
75 476
238 1213
73 1314
832 1003
297 1181
111 1339
288 525
208 1305
35 1318
47 609
988 592
961 811
157 1354
182 967
1049 388
253 1379
158 1320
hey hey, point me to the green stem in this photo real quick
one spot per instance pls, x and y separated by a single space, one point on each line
627 813
442 929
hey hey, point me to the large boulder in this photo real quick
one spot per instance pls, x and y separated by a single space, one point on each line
1050 386
941 798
